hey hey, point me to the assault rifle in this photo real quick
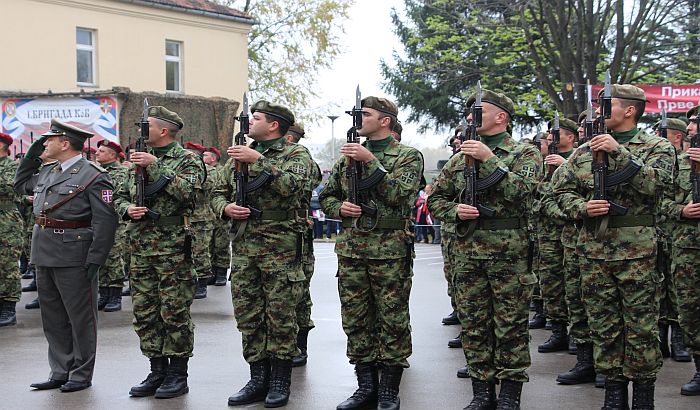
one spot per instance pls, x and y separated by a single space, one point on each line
694 165
663 125
474 186
140 172
552 148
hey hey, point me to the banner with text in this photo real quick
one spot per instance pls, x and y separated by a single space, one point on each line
674 98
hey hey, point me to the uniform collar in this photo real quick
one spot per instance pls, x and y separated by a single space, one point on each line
70 162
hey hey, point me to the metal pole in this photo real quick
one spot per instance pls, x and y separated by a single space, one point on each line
333 118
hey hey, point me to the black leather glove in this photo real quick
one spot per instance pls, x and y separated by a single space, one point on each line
93 271
36 148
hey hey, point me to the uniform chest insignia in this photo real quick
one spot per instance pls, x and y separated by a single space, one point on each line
408 177
192 179
298 169
527 171
107 196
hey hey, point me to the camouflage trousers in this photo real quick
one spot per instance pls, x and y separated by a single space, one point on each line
162 290
579 332
668 294
112 272
266 290
551 279
11 241
220 245
447 267
623 311
687 278
304 306
374 298
492 300
201 255
536 291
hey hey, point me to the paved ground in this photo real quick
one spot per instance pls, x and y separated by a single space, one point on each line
218 369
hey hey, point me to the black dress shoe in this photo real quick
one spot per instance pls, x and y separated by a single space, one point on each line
34 304
48 385
72 386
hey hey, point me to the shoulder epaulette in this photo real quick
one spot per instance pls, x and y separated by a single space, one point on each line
99 168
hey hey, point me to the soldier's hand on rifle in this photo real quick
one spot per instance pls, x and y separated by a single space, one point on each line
142 159
467 212
234 211
136 212
243 153
356 152
691 211
597 207
554 159
694 154
350 210
604 142
476 149
30 199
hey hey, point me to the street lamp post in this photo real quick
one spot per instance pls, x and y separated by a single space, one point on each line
333 118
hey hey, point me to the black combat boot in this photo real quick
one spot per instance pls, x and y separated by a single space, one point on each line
600 381
256 388
388 393
692 388
24 267
221 276
126 291
200 292
8 316
573 349
663 340
103 298
280 381
463 373
212 277
451 319
31 287
583 372
484 396
302 341
678 350
115 300
643 395
148 387
34 304
615 395
365 397
455 343
175 383
558 341
509 398
539 320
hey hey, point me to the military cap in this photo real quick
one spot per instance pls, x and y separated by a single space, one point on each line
582 116
565 123
381 104
298 130
677 124
625 92
693 111
59 128
215 151
110 144
193 146
273 109
162 113
500 100
398 128
6 138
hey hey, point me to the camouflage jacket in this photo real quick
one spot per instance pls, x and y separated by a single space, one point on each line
118 172
9 199
509 199
289 164
186 173
203 214
640 194
685 230
394 197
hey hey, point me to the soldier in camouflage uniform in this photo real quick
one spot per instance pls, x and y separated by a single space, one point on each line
267 276
220 245
111 279
10 235
492 284
619 279
686 252
375 255
539 319
202 220
162 276
294 134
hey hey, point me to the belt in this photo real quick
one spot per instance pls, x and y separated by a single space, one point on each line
624 221
176 220
46 222
382 223
276 215
499 224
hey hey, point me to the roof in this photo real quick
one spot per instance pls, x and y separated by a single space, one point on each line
197 6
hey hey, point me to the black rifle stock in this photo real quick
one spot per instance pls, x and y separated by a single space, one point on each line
553 147
694 165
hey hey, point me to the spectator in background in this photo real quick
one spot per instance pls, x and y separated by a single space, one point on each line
423 217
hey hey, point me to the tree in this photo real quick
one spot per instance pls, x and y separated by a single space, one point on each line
290 43
539 52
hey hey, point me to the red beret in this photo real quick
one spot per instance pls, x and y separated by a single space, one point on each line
215 151
194 146
90 150
110 144
122 156
6 138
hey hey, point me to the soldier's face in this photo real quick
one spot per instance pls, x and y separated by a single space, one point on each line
370 122
105 155
53 146
693 126
209 158
259 126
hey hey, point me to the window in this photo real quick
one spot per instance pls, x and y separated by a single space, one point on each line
85 57
173 60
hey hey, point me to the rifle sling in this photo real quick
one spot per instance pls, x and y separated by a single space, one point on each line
496 176
258 182
373 179
626 173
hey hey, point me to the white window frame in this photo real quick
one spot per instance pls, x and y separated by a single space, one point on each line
174 59
93 52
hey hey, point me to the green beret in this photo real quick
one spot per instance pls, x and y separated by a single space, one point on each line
298 130
59 128
568 124
498 99
276 110
398 128
625 92
677 124
693 111
381 104
162 113
582 116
